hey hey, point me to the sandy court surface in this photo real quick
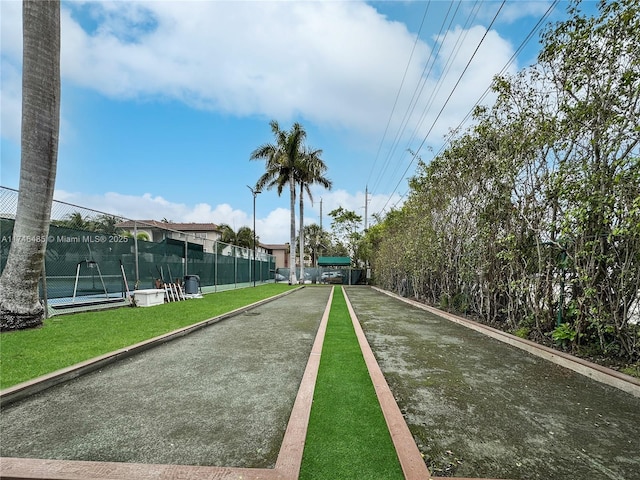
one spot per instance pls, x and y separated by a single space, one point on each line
480 408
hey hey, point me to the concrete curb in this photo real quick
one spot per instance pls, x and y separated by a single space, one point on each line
30 387
594 371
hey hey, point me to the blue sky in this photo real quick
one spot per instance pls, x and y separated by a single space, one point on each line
164 101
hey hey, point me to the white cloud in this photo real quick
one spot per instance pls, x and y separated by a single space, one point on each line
353 202
514 11
337 64
274 228
324 60
459 66
144 207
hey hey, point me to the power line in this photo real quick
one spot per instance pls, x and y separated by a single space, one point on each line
446 101
395 103
504 68
482 97
434 92
417 92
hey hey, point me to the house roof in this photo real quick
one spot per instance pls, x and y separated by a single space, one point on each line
181 227
334 261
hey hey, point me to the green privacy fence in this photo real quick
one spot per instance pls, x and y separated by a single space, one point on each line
93 262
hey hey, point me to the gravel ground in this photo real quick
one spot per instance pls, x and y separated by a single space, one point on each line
480 408
221 396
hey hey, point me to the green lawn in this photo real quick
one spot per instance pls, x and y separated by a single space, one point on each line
68 339
347 435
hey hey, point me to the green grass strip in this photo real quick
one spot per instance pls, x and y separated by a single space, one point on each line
347 435
65 340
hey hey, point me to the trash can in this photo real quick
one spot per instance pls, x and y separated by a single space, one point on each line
191 284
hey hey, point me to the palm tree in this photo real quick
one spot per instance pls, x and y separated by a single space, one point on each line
227 234
107 224
310 171
76 221
19 303
242 238
282 159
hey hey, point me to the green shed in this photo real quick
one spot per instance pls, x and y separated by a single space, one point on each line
334 261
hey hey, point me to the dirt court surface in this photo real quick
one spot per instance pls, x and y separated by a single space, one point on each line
480 408
220 396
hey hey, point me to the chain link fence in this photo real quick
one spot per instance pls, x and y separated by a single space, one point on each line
93 258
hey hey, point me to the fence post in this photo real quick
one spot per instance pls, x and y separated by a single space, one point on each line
44 286
135 253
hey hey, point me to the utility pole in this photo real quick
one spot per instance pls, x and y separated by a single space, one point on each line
366 216
254 192
366 205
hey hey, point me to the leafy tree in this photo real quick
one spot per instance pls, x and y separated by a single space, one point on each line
106 224
103 223
19 303
594 64
530 218
74 220
227 234
346 231
317 241
244 237
142 236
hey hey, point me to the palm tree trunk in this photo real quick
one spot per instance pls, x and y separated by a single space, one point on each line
301 233
292 240
19 301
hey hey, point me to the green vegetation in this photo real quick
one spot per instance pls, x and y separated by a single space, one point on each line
563 334
347 435
633 370
522 332
530 217
68 339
